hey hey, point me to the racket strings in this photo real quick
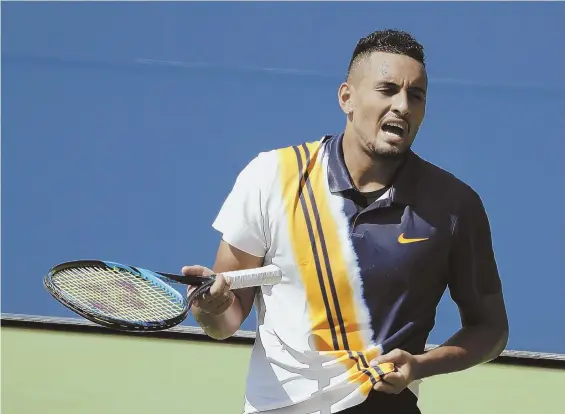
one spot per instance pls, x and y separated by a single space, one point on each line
117 293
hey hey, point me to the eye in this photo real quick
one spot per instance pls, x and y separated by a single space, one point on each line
387 90
418 96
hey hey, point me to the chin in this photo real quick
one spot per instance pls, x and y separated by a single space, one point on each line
389 152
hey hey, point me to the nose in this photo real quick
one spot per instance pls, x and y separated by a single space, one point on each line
400 104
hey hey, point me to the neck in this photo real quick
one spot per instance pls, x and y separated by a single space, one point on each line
369 172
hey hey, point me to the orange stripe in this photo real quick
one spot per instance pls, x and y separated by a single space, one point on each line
338 271
320 243
303 248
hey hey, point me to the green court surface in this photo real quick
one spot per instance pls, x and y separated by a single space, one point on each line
85 373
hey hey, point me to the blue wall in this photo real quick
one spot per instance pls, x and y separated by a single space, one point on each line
125 124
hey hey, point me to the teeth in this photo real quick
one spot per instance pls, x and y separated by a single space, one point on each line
395 125
392 134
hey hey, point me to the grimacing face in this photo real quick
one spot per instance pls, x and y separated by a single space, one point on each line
385 102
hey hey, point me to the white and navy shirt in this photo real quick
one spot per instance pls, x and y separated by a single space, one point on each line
358 280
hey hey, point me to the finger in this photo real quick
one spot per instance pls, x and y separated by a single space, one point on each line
221 301
396 379
225 304
385 368
209 296
219 287
196 270
219 305
205 298
190 289
216 300
383 386
394 356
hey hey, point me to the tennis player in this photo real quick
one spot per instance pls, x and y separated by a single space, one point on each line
369 237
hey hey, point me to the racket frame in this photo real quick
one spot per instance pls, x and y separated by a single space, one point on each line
202 283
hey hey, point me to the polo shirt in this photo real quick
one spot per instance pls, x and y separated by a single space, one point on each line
358 280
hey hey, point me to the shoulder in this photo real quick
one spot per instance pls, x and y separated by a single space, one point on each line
266 165
302 149
259 169
446 188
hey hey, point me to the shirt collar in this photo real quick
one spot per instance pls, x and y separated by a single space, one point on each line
403 188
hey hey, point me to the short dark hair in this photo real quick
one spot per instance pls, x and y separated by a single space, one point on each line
388 41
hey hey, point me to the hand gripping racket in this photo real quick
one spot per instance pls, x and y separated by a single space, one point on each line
129 298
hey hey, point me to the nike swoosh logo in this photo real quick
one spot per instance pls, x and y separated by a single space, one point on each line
403 240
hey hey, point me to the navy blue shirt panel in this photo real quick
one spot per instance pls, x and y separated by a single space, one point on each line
404 282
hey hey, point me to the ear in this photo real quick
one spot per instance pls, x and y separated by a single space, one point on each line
344 96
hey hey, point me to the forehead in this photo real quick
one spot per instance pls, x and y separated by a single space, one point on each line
390 67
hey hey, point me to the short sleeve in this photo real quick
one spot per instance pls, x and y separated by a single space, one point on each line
241 219
473 271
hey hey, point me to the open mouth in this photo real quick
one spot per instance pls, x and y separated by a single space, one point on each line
394 129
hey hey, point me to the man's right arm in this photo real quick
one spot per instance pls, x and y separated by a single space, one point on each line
221 312
242 223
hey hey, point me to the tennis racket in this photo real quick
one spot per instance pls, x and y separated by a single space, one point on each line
128 298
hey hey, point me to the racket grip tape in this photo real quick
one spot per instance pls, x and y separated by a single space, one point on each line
262 276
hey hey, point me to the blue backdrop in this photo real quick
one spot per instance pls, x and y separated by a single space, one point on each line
125 124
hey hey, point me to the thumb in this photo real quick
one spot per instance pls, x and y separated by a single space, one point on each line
394 357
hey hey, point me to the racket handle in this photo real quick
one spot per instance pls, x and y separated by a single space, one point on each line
261 276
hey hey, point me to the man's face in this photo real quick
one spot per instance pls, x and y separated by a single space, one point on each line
385 99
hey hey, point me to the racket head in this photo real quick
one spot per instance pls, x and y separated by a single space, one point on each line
117 296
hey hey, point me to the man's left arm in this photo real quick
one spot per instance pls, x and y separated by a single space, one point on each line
482 338
475 287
